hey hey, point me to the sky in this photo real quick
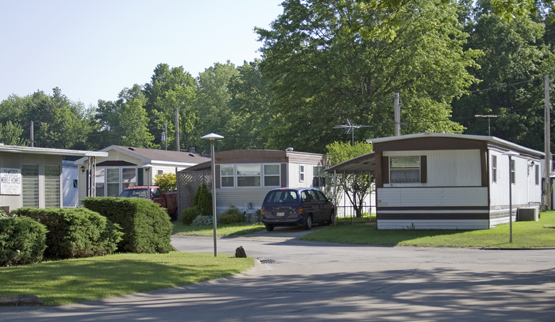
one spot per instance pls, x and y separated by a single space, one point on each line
92 50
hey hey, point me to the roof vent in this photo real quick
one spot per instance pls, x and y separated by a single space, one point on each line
191 155
130 148
289 149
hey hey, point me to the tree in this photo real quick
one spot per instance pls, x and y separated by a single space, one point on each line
11 134
213 105
166 181
133 119
327 61
355 186
250 100
170 88
511 72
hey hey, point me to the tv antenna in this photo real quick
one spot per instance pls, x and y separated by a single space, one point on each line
350 128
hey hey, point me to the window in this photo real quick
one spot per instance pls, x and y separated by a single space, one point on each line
52 186
227 173
248 175
99 179
537 168
404 169
301 173
112 182
271 175
128 178
512 171
30 185
494 168
319 177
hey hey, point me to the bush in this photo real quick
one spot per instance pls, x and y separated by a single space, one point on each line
231 216
203 221
146 226
203 200
166 182
22 241
189 214
74 233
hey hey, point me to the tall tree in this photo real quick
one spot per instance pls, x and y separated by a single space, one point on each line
250 100
512 77
133 118
329 60
170 88
355 185
213 106
11 134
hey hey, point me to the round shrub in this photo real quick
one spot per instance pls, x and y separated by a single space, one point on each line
203 221
22 241
189 214
231 216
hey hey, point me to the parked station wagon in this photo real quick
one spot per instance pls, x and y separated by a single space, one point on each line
302 206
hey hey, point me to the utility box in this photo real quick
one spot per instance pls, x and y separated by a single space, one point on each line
528 214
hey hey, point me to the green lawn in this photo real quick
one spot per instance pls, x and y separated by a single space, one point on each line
222 230
78 280
526 234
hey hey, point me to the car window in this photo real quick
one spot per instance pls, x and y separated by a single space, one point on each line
309 196
280 196
156 193
321 196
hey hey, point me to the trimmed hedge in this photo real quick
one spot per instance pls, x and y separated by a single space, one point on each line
146 226
74 233
231 216
22 241
189 214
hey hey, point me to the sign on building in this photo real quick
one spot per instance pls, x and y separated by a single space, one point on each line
10 181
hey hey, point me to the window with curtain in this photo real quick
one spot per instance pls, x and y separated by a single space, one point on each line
404 169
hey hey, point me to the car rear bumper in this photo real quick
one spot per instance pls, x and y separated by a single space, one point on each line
283 221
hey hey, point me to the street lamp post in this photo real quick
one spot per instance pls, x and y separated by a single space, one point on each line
511 154
212 137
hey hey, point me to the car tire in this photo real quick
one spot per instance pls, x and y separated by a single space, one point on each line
308 222
269 227
331 221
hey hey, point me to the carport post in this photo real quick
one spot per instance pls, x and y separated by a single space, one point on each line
510 154
212 137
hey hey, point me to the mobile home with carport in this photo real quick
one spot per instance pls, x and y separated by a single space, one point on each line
453 181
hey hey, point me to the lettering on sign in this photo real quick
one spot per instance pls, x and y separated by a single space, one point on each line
10 181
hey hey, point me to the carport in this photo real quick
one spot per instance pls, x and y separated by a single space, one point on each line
362 165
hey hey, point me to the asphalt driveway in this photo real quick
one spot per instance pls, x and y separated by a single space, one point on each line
296 280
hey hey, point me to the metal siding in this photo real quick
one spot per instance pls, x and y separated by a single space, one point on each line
432 197
240 198
434 224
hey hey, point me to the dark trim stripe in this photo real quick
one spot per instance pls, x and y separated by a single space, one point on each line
431 216
486 208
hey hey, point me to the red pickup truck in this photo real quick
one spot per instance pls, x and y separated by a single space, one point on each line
167 200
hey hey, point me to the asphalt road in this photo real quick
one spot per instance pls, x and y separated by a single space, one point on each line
296 280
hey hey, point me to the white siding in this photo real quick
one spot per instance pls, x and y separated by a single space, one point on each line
240 198
434 224
432 197
452 168
524 190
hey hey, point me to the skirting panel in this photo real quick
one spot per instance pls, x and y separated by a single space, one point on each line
443 224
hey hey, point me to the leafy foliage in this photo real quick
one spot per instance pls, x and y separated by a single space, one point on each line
231 216
203 221
203 200
22 241
166 181
189 214
355 185
146 226
74 233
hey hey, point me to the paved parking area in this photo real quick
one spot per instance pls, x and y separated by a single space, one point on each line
307 281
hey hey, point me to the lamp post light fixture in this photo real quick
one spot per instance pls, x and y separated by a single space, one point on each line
213 137
511 154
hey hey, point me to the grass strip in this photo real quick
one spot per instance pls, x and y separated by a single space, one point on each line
526 234
222 230
84 279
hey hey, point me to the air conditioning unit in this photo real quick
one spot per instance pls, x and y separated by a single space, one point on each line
528 214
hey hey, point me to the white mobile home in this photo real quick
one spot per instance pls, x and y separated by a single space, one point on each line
453 181
125 167
243 177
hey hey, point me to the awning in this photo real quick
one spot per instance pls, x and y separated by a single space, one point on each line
363 164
